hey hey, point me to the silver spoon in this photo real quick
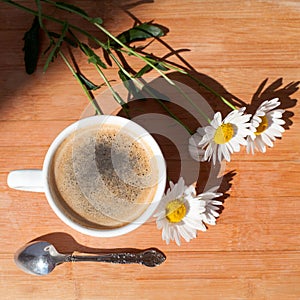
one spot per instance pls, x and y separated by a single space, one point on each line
40 258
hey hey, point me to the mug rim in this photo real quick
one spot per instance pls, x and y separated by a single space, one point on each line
111 232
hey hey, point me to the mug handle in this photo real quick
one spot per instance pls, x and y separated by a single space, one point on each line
26 180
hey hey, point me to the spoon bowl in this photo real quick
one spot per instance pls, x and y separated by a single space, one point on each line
38 258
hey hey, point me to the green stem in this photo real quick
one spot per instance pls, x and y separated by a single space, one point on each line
199 82
115 94
169 80
92 100
141 86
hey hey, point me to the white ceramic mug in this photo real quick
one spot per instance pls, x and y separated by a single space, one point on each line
38 180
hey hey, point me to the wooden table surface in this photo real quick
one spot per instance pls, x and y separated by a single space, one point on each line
247 49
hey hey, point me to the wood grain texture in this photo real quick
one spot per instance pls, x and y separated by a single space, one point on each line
247 49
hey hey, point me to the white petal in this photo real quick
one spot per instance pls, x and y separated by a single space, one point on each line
193 223
278 127
250 145
190 191
241 119
159 224
187 235
210 131
202 227
266 140
272 104
217 120
235 145
177 190
260 145
226 152
166 234
209 219
216 202
214 213
233 114
171 185
229 147
220 153
208 153
276 113
176 236
278 121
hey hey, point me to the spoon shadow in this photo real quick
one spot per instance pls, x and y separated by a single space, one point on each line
66 244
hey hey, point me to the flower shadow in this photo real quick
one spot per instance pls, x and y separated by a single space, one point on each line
223 183
274 90
225 188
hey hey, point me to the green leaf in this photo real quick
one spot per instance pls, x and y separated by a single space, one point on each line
32 46
71 8
138 33
89 85
143 71
148 68
161 66
128 83
56 47
93 57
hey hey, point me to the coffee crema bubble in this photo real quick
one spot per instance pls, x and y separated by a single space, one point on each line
104 176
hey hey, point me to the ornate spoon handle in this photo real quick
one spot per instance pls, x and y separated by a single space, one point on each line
148 258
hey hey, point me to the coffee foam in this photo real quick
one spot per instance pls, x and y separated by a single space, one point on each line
104 175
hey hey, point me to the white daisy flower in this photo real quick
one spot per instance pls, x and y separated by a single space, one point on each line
222 138
211 205
265 126
181 213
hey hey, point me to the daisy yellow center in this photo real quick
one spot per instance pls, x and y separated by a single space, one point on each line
263 125
224 133
175 211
